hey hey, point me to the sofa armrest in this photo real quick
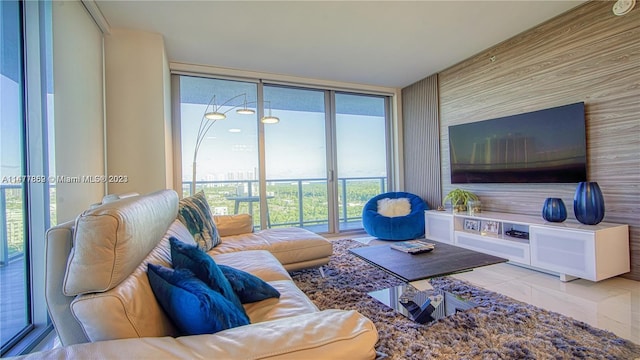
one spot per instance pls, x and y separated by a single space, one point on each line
229 225
329 334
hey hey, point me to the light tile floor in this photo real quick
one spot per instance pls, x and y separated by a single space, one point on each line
612 304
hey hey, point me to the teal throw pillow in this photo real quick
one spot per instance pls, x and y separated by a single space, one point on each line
193 307
185 256
194 212
248 287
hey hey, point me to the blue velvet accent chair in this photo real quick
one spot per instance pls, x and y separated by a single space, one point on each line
398 228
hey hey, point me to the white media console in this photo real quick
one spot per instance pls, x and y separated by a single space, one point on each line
569 249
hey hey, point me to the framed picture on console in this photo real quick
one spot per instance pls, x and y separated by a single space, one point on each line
471 225
491 228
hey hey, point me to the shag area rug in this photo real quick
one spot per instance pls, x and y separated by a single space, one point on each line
498 328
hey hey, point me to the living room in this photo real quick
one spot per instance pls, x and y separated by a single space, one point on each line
586 54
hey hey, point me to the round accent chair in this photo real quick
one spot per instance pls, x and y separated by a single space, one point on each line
394 216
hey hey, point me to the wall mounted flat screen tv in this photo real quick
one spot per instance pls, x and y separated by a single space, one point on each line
545 146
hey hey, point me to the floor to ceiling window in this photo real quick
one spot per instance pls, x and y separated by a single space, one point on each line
14 296
361 153
315 166
25 34
296 158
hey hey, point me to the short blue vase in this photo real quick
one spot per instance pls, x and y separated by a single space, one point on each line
554 210
588 203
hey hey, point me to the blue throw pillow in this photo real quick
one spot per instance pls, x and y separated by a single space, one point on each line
185 256
248 287
193 307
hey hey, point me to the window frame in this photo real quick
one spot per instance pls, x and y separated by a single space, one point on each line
35 21
392 128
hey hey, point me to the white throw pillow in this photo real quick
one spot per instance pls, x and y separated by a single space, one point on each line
394 207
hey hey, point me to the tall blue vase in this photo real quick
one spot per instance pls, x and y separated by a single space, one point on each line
588 203
554 210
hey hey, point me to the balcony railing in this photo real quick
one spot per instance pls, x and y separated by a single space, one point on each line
292 202
11 223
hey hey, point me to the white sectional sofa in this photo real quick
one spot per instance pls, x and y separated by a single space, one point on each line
102 305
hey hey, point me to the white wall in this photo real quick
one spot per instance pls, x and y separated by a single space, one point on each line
138 111
78 107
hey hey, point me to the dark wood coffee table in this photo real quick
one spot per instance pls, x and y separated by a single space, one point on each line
427 305
445 259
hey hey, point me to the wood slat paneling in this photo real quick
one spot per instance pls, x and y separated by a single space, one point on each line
421 140
587 54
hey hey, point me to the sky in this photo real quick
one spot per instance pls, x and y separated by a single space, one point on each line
10 120
294 148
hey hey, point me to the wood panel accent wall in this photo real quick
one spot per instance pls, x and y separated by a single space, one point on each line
587 54
421 140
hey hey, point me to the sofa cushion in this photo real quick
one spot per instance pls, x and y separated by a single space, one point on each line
249 288
229 225
194 307
195 213
111 240
204 267
288 245
292 302
256 262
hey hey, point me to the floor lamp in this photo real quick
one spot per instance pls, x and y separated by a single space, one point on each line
210 117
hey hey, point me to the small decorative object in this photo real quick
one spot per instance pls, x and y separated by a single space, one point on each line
459 199
490 228
554 210
413 246
474 207
471 225
588 203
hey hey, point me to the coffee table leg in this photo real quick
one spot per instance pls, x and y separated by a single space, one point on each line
424 306
421 306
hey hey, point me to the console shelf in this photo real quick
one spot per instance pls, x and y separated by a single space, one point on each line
569 249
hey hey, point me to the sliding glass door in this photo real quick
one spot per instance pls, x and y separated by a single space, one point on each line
296 158
315 165
361 143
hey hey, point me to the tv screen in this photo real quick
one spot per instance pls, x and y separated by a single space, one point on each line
545 146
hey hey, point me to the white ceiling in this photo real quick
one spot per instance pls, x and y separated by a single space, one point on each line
380 43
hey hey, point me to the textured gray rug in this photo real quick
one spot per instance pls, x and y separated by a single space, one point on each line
499 328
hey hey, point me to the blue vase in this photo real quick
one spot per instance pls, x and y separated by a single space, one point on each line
588 203
554 210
